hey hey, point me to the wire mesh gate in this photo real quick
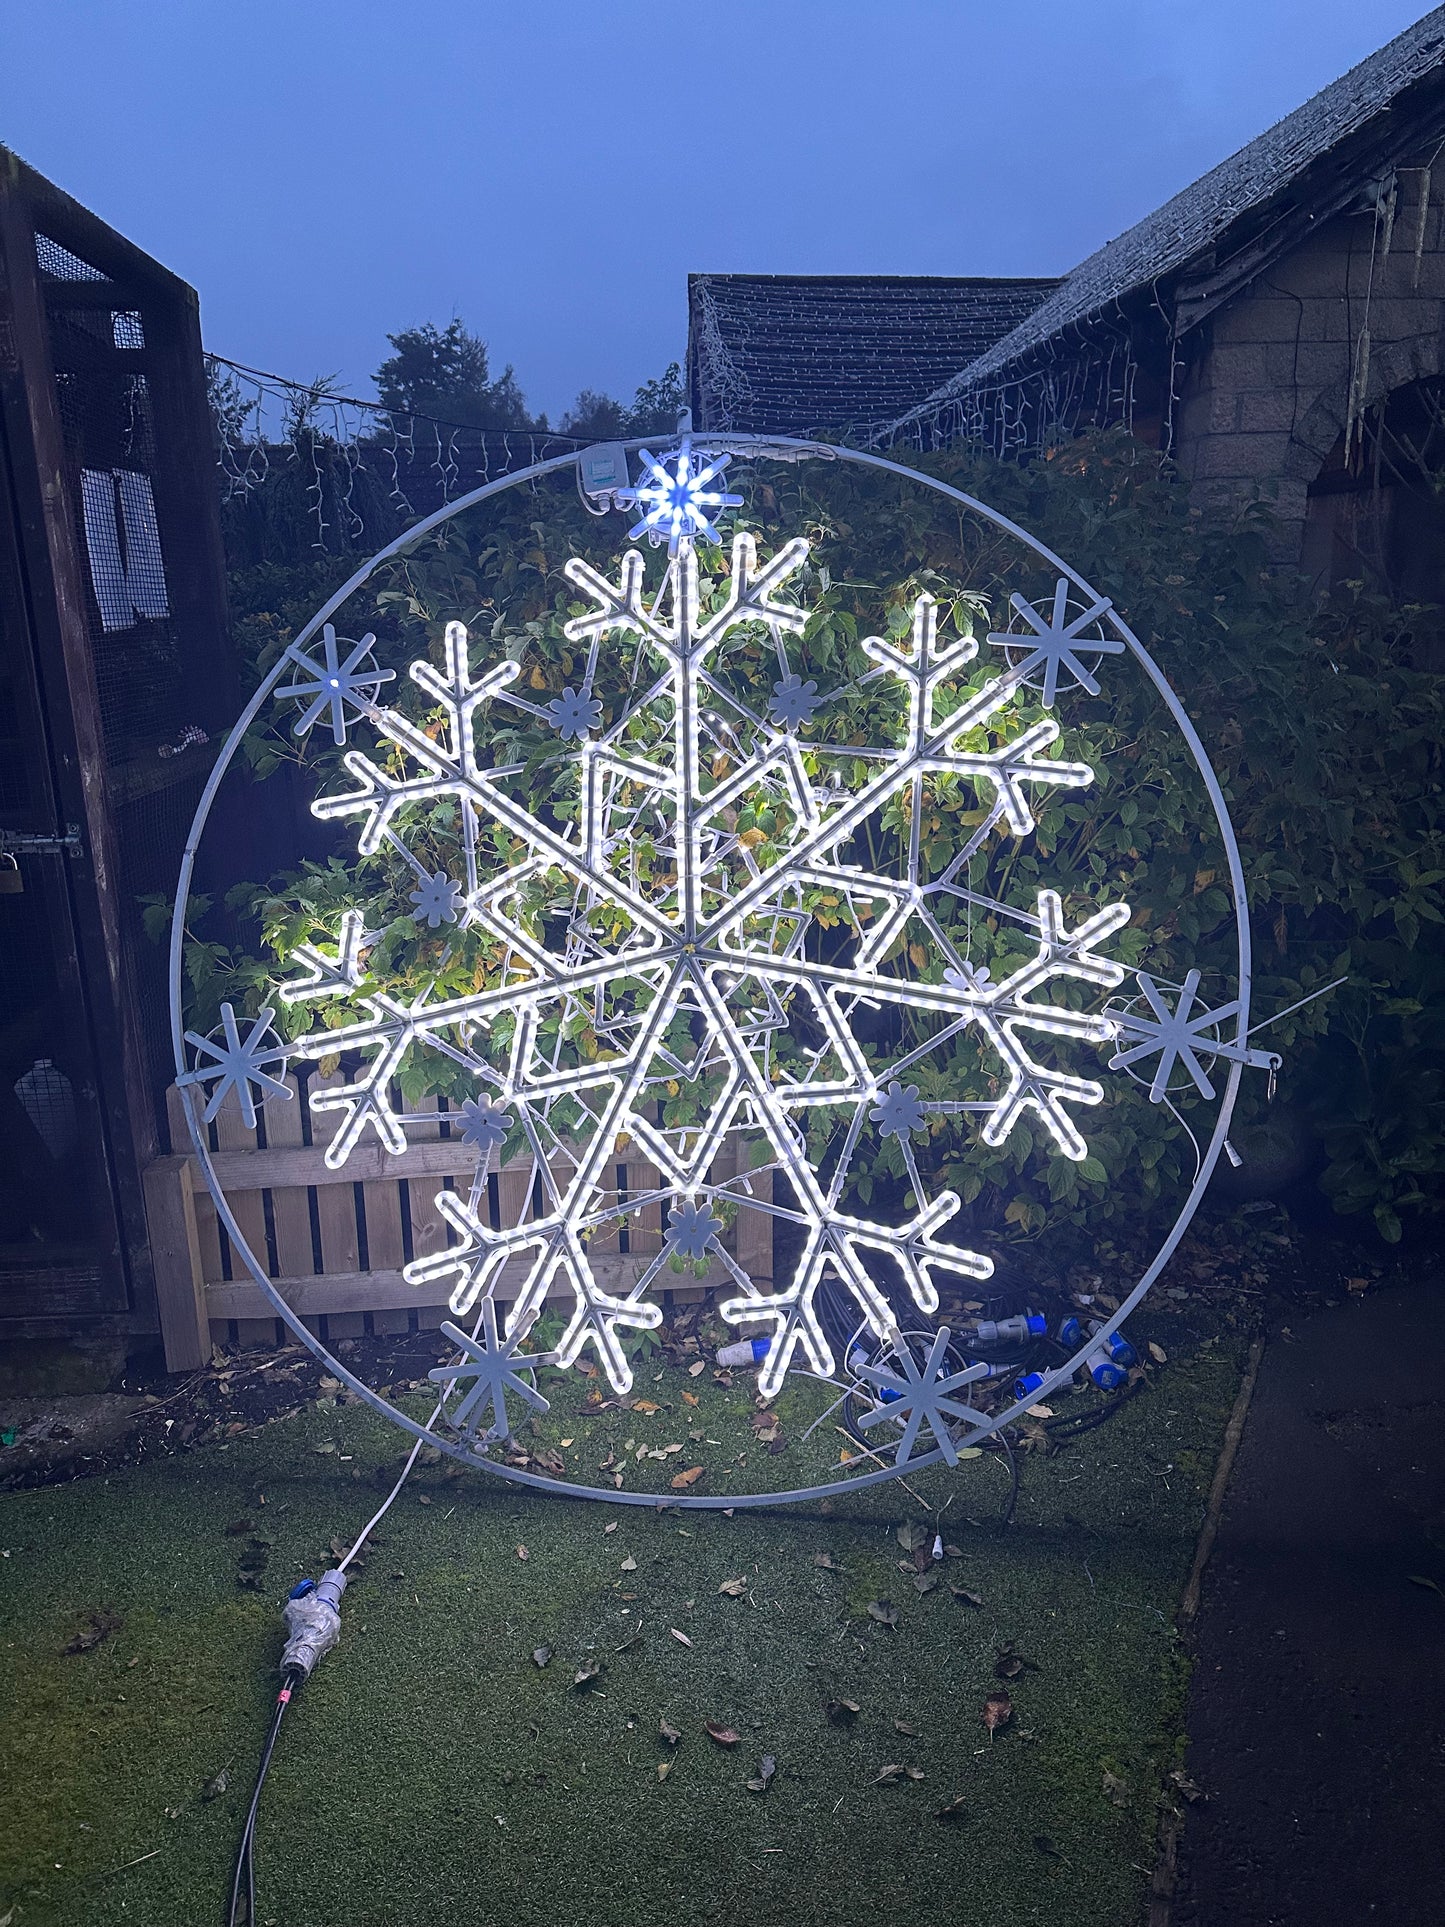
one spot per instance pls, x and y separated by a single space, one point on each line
116 676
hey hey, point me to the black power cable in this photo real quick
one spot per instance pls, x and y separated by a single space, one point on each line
245 1865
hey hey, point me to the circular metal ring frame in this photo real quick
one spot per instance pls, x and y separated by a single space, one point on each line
788 449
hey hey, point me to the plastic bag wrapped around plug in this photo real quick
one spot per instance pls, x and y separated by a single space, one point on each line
313 1623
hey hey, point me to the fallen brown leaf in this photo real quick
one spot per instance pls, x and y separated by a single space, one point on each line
827 1562
629 1564
998 1710
589 1670
691 1476
968 1598
681 1638
885 1613
1158 1353
522 1552
1116 1790
541 1655
767 1767
954 1813
664 1767
734 1588
668 1733
841 1711
902 1726
724 1735
101 1623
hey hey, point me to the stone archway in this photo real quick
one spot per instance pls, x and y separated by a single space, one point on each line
1318 435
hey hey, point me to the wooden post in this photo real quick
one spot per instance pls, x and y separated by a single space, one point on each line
176 1255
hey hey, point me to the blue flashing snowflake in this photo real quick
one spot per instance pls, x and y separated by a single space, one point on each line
922 1395
251 1066
1180 1037
493 1363
574 713
677 502
691 1228
437 899
484 1125
346 688
898 1112
1058 645
793 702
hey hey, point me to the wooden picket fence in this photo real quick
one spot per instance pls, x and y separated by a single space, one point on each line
334 1242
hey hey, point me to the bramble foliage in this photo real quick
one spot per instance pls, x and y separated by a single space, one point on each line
1326 743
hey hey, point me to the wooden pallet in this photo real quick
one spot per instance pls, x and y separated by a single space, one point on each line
334 1243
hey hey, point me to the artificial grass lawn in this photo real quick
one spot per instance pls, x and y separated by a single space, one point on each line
431 1770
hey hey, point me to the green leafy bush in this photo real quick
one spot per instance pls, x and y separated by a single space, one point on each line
1325 740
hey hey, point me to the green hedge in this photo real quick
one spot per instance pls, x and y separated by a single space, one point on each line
1325 739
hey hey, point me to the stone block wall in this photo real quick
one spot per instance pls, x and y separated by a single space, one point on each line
1267 397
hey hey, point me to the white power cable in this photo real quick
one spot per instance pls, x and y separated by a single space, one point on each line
381 1511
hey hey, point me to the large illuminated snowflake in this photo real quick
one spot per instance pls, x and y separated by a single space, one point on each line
716 943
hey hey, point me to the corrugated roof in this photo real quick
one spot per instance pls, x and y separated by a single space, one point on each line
1202 215
793 354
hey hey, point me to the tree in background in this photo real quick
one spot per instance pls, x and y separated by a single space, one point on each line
444 374
595 417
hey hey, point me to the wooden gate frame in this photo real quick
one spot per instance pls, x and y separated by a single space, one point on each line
334 1242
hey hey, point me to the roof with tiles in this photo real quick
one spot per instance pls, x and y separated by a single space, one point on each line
1201 217
795 354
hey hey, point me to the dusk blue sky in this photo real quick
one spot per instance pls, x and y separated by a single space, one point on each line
326 173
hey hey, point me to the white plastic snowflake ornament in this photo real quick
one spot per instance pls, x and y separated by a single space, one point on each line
728 939
677 502
251 1066
922 1395
494 1364
693 966
340 690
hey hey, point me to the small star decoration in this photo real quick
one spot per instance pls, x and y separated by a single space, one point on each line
345 688
243 1065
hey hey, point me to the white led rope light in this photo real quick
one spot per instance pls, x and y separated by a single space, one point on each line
715 955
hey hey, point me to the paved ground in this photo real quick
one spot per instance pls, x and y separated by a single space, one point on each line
1317 1707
